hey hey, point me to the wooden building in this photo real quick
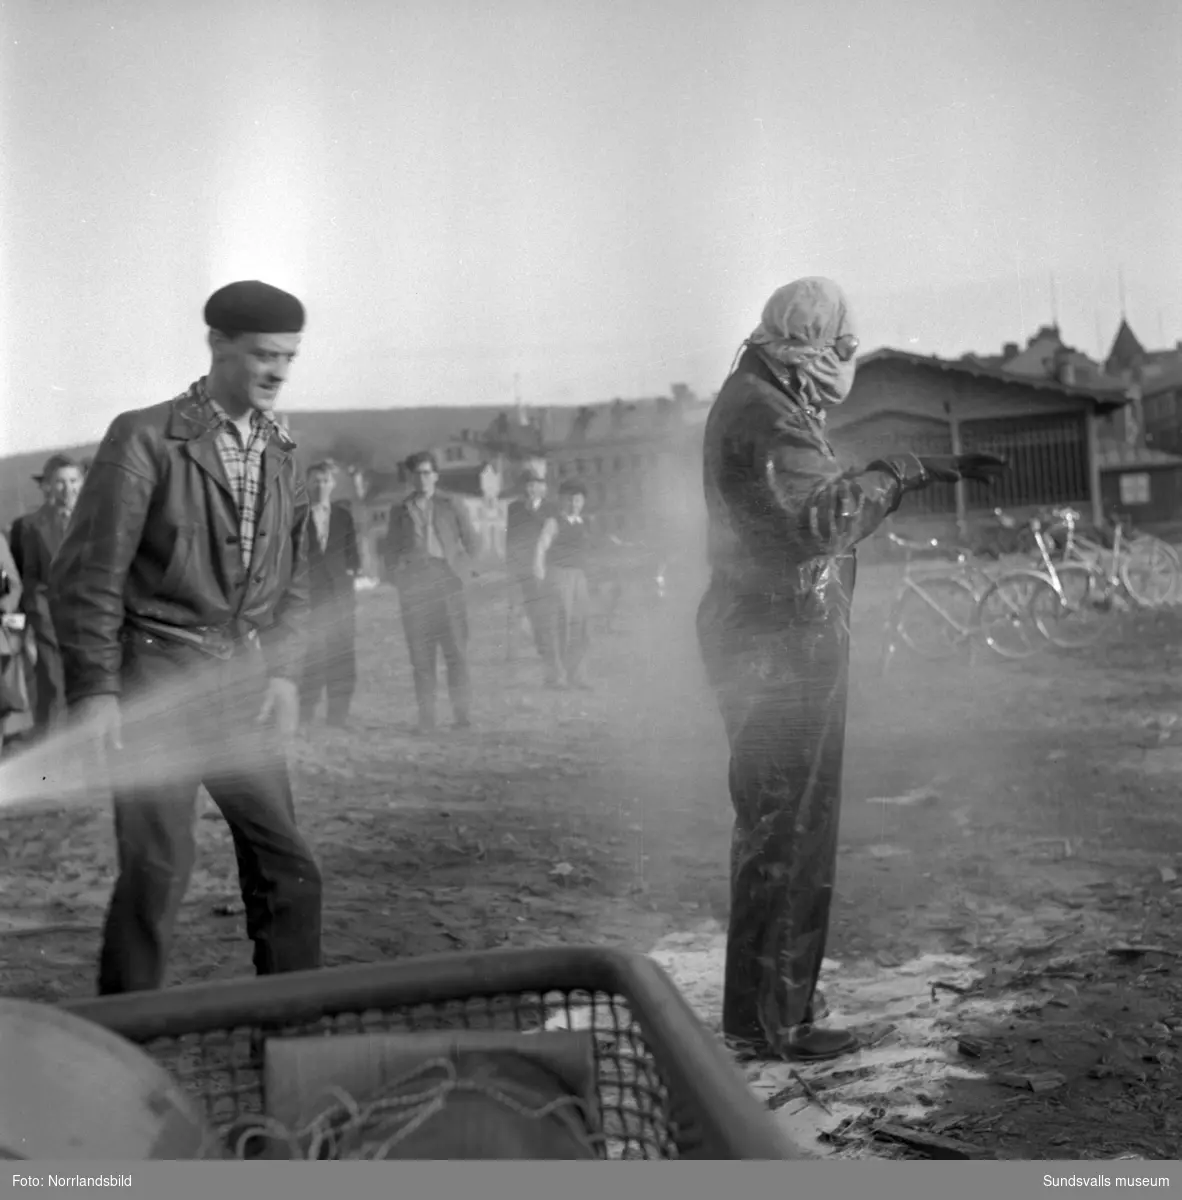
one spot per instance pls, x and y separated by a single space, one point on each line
1141 483
1046 429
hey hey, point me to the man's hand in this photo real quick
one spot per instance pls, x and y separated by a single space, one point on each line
99 719
281 707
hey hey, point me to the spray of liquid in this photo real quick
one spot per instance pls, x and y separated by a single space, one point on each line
198 717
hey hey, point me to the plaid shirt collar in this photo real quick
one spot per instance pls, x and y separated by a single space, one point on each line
219 414
266 422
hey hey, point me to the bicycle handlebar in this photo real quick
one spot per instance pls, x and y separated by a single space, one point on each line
1046 516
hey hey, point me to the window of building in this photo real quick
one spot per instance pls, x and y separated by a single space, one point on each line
617 463
636 460
599 466
1134 489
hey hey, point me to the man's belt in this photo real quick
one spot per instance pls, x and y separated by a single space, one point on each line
219 641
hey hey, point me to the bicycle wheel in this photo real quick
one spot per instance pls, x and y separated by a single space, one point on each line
1150 572
1142 540
936 617
1004 620
1075 617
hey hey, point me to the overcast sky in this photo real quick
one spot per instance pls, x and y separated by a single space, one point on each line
596 196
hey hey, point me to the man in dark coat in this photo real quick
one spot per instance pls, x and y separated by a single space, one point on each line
774 631
330 665
180 599
430 535
37 537
525 520
14 534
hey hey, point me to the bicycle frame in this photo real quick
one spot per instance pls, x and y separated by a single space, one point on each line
1045 554
956 567
1073 555
1092 554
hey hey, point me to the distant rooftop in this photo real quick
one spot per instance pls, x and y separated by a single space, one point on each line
1107 397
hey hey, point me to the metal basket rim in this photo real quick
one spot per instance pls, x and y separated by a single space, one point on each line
703 1083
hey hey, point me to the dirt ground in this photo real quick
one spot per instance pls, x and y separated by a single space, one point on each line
977 931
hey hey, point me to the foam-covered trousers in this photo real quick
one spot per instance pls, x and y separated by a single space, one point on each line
780 670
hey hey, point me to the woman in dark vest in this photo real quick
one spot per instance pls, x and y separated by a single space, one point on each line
560 564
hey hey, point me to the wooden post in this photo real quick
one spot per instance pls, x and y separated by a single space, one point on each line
1097 496
961 522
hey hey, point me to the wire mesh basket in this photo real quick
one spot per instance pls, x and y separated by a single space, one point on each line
666 1087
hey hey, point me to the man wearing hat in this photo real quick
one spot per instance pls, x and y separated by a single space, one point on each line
35 539
525 520
180 599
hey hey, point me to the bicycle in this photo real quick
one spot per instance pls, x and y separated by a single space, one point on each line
1060 601
1134 562
950 591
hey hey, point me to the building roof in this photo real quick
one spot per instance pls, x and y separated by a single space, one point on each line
1126 349
1116 456
1045 357
1105 398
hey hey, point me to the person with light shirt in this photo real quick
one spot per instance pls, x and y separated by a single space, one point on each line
560 563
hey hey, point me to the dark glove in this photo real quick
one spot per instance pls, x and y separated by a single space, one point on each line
980 468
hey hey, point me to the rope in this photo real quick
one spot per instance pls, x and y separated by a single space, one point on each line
327 1134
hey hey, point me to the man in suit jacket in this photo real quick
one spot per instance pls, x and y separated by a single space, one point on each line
14 534
430 535
525 520
38 536
330 665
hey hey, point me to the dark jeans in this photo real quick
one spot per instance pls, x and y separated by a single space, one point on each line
435 620
781 683
191 720
330 664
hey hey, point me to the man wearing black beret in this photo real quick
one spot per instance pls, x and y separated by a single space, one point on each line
180 598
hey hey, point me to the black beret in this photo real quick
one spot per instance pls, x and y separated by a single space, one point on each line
253 307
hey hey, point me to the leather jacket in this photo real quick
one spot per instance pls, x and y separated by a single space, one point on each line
783 513
154 545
